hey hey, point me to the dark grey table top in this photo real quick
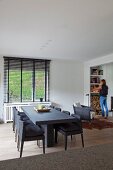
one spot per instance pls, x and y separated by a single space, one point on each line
51 117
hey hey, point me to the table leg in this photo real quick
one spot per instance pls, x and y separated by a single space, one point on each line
49 135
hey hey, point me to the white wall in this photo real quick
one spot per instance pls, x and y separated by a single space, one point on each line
106 60
100 61
69 80
1 86
67 83
108 76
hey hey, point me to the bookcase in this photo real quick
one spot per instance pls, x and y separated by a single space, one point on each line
96 74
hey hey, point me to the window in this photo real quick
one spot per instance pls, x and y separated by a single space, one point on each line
26 80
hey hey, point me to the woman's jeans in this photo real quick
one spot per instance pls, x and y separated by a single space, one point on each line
103 105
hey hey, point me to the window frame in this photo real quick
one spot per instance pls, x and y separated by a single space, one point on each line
46 65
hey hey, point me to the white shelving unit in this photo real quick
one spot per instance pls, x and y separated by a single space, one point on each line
96 74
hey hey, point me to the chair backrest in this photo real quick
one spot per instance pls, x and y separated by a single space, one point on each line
66 112
15 116
14 112
21 129
52 106
58 108
83 112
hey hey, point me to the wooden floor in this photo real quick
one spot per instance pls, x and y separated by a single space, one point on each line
8 148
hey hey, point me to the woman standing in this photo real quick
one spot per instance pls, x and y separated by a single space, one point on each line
103 97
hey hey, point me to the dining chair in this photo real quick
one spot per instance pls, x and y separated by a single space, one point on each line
30 132
15 120
69 129
26 130
52 106
58 108
66 112
56 126
86 113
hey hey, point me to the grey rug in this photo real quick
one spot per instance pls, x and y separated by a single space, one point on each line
92 158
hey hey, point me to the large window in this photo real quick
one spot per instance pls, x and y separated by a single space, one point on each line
26 80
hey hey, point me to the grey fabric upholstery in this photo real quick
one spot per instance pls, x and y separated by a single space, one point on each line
23 116
33 130
21 113
14 112
26 130
26 121
29 132
70 127
83 112
57 108
67 112
52 106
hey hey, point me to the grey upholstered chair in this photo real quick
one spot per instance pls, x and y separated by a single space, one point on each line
83 112
69 129
25 130
30 132
15 120
58 108
66 112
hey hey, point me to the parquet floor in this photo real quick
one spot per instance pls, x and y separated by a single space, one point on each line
8 148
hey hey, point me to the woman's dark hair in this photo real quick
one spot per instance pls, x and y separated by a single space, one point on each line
103 81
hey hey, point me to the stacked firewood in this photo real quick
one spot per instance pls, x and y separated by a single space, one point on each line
95 103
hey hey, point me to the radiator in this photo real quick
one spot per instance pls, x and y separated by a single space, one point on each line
8 109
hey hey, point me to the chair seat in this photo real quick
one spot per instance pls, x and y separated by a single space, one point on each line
69 127
27 121
23 116
32 130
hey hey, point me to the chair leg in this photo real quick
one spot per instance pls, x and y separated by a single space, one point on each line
13 127
18 143
16 136
56 136
21 149
65 142
37 143
71 137
82 140
44 145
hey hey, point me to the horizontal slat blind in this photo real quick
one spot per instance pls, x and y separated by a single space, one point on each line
26 79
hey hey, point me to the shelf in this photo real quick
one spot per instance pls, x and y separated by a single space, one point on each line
94 93
94 83
96 75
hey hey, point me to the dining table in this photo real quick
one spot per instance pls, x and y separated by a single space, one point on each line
47 120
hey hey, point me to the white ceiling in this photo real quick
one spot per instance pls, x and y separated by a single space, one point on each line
56 29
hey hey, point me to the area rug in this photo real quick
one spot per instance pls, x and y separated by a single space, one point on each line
90 158
98 123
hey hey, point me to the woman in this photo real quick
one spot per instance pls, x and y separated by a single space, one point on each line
103 90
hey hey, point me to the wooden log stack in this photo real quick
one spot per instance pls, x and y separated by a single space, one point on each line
95 103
